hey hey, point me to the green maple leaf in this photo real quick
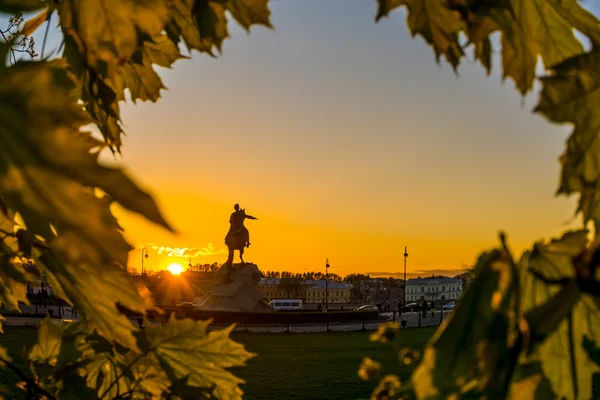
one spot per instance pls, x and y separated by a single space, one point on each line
562 356
529 382
100 97
539 28
47 347
106 31
202 24
434 20
384 7
184 348
483 53
592 350
211 22
530 29
146 376
161 51
106 375
13 277
471 348
250 12
572 94
183 24
141 79
41 143
17 6
76 347
138 74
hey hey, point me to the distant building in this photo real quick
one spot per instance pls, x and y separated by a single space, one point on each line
312 292
439 289
269 288
336 292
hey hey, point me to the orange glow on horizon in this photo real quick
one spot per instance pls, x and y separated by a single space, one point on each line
175 268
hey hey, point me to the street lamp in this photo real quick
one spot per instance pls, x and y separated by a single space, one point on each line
144 250
326 288
405 257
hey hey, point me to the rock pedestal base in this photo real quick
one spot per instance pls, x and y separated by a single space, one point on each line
237 292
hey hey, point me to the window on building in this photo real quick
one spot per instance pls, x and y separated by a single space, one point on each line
443 288
422 289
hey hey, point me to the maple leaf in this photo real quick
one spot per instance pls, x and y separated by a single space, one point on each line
572 377
141 79
47 348
17 6
185 349
483 53
539 28
202 24
41 143
571 93
472 346
108 30
161 51
13 277
434 20
250 12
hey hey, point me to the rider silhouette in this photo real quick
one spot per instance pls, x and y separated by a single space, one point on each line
236 221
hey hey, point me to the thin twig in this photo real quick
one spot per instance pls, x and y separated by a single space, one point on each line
46 33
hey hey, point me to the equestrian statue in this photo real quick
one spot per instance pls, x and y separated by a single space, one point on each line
238 236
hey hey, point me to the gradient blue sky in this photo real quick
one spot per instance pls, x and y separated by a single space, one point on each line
347 141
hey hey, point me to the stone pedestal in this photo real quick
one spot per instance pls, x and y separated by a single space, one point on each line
236 293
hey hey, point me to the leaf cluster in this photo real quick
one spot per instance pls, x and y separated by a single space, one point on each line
530 33
56 197
524 329
514 317
178 360
527 328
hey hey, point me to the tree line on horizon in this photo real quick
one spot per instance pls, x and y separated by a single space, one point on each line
307 275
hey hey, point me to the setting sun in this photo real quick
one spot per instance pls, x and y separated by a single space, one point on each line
175 268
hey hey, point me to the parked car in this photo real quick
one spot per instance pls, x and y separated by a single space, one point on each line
366 308
411 307
187 305
449 306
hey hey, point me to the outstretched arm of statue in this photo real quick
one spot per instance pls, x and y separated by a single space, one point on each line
251 217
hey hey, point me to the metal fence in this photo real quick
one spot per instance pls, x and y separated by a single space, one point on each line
420 319
413 320
406 320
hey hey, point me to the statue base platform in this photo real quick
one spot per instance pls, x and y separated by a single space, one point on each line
236 292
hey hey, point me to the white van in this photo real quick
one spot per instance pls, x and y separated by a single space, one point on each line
286 304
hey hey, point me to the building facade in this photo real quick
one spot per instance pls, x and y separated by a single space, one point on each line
337 293
438 289
269 288
310 291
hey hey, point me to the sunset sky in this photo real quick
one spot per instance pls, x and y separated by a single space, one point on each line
347 141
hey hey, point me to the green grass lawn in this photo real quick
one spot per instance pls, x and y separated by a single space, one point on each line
288 366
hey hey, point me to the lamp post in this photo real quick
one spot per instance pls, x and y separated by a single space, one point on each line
144 250
326 287
405 257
